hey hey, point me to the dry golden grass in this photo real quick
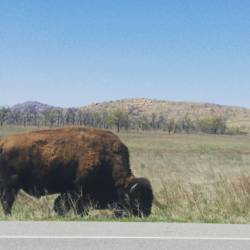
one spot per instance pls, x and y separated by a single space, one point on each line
196 178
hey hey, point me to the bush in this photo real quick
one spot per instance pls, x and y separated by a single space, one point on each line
213 125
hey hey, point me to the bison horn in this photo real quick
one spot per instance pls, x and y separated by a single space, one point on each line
133 187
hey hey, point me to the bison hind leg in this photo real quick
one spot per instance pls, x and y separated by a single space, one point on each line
7 197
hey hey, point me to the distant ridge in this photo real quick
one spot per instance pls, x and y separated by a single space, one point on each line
138 107
150 101
31 105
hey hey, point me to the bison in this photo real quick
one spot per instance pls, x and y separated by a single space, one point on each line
80 164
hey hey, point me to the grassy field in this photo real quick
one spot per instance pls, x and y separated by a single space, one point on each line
196 178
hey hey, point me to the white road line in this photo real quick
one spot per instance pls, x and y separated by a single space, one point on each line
126 237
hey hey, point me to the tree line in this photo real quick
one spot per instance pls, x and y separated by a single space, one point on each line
117 119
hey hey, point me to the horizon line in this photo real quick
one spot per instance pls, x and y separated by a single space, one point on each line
127 98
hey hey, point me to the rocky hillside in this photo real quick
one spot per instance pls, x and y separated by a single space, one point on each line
138 107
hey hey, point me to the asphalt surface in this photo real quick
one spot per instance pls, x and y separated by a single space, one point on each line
110 235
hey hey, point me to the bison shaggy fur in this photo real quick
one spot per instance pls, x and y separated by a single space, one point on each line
80 164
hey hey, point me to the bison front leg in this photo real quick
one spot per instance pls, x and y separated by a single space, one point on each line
62 204
79 203
79 197
7 197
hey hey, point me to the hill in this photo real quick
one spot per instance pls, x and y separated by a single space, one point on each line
137 110
32 106
142 106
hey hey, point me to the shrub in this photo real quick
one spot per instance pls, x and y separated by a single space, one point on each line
213 125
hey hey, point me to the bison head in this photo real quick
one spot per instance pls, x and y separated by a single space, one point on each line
139 197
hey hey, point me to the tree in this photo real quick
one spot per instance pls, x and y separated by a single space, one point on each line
187 124
212 125
15 117
153 120
105 119
57 116
4 112
161 122
119 119
70 116
171 125
145 124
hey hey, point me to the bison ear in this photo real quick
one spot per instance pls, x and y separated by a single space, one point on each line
132 189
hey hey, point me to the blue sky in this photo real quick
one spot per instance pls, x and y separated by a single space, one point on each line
71 53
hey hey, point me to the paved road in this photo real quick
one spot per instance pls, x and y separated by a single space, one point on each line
95 235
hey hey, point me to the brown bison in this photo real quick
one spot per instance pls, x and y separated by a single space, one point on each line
82 164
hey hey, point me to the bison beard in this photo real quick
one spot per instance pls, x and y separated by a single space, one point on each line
83 165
